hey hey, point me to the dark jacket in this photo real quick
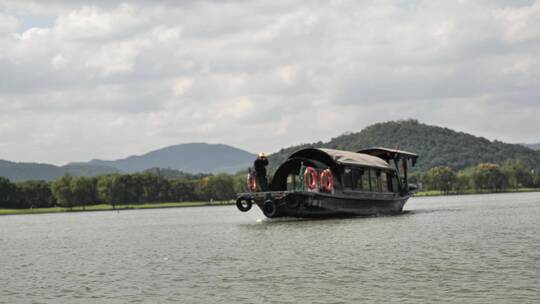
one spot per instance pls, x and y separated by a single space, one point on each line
260 166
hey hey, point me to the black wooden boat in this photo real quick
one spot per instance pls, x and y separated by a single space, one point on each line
317 182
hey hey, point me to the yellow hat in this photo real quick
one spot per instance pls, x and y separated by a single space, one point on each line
261 154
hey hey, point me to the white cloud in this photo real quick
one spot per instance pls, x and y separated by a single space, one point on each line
90 22
116 57
181 85
118 79
34 33
167 34
8 24
520 24
58 61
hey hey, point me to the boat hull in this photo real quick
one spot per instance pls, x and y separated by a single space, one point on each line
319 205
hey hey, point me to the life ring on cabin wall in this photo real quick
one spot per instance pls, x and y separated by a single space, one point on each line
251 183
310 178
326 181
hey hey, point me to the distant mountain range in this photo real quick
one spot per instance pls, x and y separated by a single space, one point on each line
435 145
532 146
190 158
35 171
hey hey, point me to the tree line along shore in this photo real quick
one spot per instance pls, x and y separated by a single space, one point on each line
511 175
120 190
166 188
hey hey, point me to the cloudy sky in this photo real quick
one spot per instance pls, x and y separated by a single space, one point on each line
104 79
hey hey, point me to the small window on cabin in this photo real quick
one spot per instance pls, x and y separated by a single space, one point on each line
395 187
292 181
365 181
384 182
347 178
375 177
389 182
357 179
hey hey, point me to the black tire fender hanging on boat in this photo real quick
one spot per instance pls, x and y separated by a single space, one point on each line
269 208
241 206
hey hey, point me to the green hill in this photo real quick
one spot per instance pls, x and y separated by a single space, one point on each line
436 146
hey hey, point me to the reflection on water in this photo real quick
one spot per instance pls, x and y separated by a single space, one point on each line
466 249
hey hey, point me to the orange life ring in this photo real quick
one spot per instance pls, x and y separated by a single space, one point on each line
310 178
326 181
251 183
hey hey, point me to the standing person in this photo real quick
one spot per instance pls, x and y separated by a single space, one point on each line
260 171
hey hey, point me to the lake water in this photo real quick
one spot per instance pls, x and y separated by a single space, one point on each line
466 249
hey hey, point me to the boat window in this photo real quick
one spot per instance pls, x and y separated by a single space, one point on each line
375 177
347 178
389 182
384 182
292 182
365 180
358 179
395 186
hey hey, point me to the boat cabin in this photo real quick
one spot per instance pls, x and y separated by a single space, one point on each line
370 170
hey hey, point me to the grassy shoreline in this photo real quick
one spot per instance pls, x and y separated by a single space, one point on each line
105 207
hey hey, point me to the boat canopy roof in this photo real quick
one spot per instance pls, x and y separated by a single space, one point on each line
331 157
388 154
